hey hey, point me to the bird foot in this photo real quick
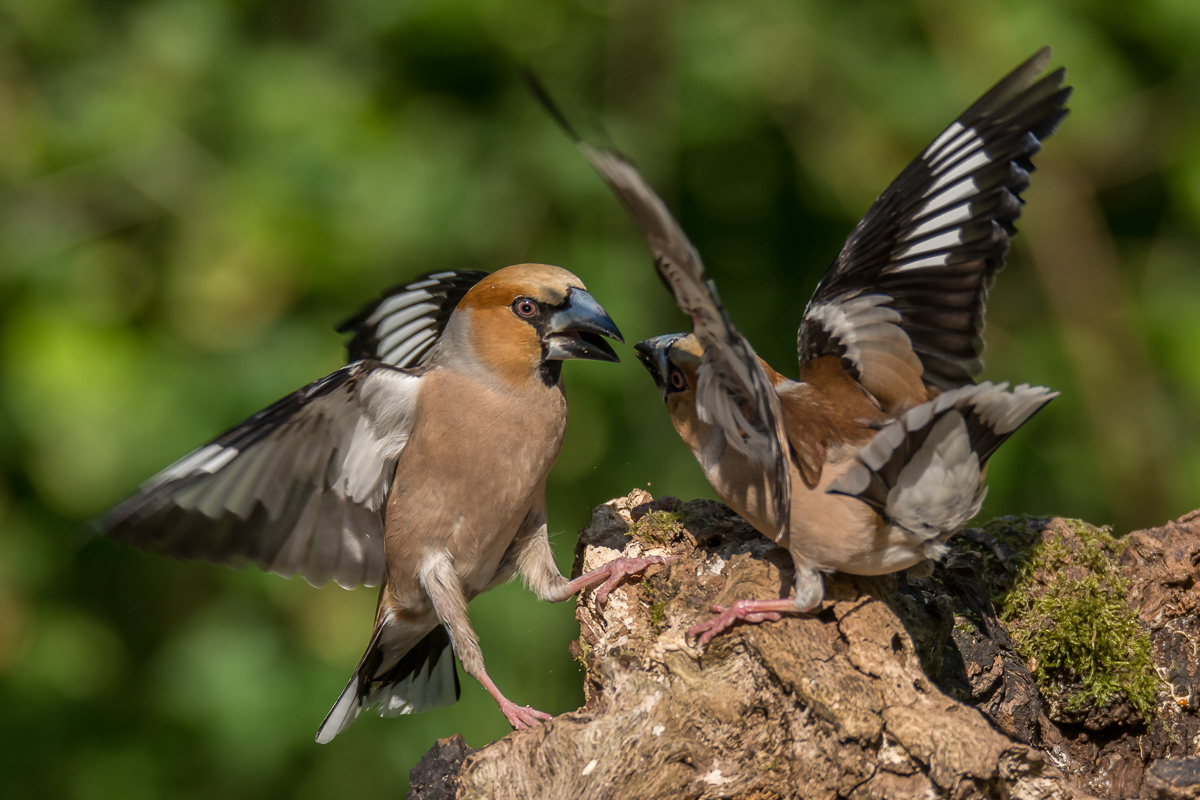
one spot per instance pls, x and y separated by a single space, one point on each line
752 611
522 717
611 573
622 567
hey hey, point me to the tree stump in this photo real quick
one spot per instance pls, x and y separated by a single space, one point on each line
896 689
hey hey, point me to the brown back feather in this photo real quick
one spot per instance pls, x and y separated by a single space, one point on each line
828 408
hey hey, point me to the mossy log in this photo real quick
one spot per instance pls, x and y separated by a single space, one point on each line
896 689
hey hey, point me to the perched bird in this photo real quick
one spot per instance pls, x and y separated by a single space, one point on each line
421 465
876 455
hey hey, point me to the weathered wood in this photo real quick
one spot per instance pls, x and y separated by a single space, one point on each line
844 703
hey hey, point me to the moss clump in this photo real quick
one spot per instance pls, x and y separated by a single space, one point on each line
658 616
657 608
581 655
659 527
1068 616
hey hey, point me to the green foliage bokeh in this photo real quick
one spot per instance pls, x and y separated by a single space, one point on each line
194 192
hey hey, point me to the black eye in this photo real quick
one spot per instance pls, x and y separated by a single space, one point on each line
525 307
677 380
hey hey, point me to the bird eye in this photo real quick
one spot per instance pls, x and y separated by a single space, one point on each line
677 380
525 307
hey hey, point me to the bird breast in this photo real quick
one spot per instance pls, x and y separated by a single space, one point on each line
474 465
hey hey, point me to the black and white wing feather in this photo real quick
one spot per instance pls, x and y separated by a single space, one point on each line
924 470
297 489
401 327
903 303
734 393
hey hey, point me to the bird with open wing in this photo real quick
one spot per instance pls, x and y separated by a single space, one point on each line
876 455
420 466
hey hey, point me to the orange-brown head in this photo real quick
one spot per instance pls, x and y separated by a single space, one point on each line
523 321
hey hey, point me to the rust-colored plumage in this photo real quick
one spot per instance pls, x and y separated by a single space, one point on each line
876 455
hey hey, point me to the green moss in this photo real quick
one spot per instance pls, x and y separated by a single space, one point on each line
1069 619
965 626
659 527
657 610
658 615
585 650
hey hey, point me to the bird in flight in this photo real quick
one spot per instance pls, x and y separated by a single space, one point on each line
876 455
420 466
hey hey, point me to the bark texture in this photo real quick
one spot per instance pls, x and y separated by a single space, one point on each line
897 689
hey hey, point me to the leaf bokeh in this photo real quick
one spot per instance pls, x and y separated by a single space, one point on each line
194 192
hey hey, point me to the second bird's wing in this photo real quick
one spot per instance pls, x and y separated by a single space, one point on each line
297 489
733 393
902 306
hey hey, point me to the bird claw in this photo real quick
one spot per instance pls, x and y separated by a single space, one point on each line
622 567
751 611
522 717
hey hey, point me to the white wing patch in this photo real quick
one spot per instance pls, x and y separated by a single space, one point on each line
405 324
950 132
209 458
960 213
939 488
959 191
1005 412
864 323
964 143
389 401
392 317
294 489
929 261
411 296
939 242
400 354
968 164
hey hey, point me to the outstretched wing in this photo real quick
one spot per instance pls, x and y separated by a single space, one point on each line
733 391
401 327
296 489
903 304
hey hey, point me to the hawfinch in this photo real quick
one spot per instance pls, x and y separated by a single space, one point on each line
420 466
876 455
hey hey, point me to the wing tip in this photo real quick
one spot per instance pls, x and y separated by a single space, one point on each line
1040 59
344 712
542 95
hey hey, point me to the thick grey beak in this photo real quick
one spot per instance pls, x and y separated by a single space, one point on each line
578 330
653 355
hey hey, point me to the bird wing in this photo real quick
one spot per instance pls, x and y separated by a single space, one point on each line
733 393
297 489
924 470
903 303
401 327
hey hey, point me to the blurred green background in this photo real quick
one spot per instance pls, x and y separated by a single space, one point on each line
194 192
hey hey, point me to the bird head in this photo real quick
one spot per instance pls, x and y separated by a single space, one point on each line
526 319
673 360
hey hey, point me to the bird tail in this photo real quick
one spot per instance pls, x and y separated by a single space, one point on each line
924 471
422 679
